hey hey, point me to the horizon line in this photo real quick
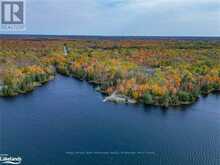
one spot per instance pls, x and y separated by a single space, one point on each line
66 35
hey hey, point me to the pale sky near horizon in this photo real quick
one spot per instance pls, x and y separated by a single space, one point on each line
123 17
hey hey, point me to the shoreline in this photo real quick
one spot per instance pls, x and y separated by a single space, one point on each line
152 72
114 97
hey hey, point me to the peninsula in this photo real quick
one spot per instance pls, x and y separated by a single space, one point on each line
154 72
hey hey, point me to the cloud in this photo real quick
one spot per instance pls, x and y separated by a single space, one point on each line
124 17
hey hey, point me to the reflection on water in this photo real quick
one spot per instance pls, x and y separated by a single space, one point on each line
67 115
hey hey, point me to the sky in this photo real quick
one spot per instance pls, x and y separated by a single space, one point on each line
123 17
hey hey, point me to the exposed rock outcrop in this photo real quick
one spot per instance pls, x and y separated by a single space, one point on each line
116 98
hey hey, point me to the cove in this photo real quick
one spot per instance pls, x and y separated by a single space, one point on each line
66 116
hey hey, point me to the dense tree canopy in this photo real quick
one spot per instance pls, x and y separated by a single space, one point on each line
153 72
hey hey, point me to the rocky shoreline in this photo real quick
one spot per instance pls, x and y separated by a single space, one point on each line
116 98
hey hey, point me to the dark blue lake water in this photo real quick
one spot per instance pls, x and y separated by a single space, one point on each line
50 125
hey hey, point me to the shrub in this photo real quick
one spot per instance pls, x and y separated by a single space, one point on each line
164 100
185 96
147 98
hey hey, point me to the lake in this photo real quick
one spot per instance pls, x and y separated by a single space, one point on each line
66 122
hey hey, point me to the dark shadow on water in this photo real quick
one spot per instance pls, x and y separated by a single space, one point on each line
215 93
145 108
148 108
96 126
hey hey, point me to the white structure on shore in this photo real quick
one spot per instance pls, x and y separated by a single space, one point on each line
65 50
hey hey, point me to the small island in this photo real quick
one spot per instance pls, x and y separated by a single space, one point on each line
152 72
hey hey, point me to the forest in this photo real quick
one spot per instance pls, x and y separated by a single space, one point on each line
152 72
